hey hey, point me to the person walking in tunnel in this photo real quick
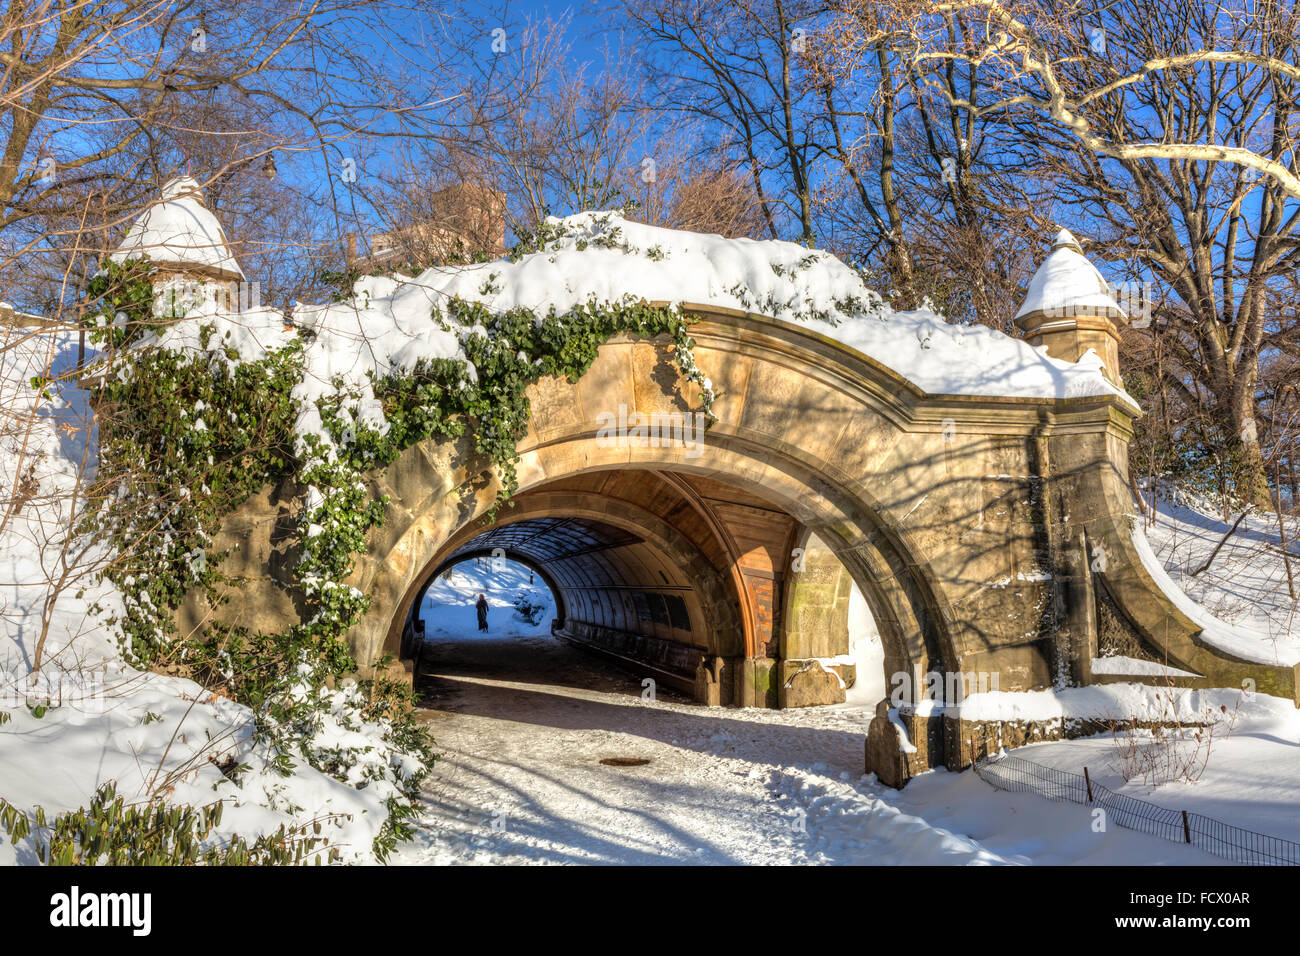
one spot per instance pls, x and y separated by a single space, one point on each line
482 607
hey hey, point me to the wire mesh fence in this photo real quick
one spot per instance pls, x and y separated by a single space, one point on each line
1213 836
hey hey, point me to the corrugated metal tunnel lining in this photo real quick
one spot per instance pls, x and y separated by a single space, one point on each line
602 575
548 539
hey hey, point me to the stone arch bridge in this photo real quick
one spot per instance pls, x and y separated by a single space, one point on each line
970 526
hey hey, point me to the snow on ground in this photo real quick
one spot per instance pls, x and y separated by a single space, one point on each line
151 734
523 722
1243 600
1251 779
448 607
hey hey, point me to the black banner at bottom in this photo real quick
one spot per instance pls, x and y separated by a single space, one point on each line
338 905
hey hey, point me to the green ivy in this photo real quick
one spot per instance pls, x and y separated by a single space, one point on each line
183 443
120 296
111 833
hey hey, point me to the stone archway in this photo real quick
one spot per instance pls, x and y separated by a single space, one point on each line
848 451
966 522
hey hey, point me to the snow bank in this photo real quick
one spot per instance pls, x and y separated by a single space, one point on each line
105 721
1112 701
1242 604
1135 667
841 818
156 736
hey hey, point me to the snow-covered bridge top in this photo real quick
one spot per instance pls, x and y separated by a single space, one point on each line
603 258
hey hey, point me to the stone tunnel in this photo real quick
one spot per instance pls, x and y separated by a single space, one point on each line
684 578
966 523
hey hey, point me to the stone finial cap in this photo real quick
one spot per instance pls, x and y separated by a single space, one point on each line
1067 285
1065 240
178 232
179 186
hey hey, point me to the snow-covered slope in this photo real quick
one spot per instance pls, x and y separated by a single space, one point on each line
47 457
1243 601
87 718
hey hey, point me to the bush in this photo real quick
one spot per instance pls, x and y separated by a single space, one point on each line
528 611
111 833
1161 746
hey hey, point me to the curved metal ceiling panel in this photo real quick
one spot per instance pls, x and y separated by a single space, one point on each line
548 540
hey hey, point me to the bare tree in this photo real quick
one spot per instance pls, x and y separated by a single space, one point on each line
100 102
1170 125
735 66
712 198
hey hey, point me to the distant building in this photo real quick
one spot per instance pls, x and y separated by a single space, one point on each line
464 221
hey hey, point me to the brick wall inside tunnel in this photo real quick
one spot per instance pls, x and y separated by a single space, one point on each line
682 577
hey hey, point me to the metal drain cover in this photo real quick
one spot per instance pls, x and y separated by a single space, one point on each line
625 761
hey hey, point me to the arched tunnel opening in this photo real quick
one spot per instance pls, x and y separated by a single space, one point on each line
690 581
518 599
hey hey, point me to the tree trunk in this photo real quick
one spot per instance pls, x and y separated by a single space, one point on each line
1250 478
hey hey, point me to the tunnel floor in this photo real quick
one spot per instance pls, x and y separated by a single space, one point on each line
549 755
524 723
448 670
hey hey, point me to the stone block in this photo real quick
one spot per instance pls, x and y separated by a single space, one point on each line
809 684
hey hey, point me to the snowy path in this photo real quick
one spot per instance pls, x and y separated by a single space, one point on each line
523 722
